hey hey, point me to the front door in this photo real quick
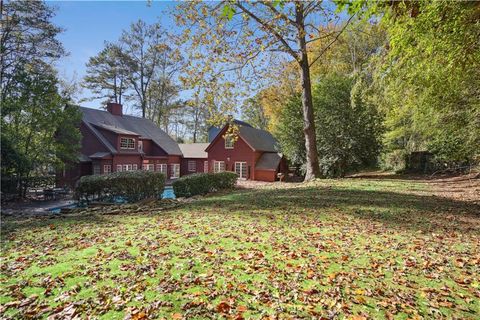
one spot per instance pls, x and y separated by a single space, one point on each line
241 169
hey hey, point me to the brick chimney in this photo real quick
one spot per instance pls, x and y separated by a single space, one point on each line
115 108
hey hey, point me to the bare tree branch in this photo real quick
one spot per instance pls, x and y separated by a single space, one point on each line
278 13
333 41
270 29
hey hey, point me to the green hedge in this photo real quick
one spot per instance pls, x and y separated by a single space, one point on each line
130 185
203 183
11 184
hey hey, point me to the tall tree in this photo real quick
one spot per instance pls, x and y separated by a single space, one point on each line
26 33
142 48
35 120
239 32
197 115
429 78
254 114
106 75
163 91
348 128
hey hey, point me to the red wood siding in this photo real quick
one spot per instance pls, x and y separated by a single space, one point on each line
265 175
199 162
241 152
110 136
90 143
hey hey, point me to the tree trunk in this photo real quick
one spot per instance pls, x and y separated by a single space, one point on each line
313 167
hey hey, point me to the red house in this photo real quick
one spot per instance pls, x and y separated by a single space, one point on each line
253 155
112 141
195 158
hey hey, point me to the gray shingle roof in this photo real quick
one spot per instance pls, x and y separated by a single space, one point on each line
116 129
213 131
259 140
194 150
140 126
269 161
83 158
100 155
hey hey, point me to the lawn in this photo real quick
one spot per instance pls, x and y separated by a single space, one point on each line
352 249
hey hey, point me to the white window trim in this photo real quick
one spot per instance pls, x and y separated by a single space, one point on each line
174 170
107 168
227 139
135 167
205 166
192 166
119 168
126 139
217 166
240 173
162 167
96 172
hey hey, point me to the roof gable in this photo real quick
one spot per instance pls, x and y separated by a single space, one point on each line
128 125
214 131
257 139
194 150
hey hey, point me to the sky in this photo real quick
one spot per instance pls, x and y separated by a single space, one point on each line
88 24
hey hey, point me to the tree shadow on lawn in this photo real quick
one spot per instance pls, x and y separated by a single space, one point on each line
17 223
393 209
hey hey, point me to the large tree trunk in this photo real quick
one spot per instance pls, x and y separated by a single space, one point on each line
313 168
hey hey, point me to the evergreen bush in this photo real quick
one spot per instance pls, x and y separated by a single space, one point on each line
203 183
132 186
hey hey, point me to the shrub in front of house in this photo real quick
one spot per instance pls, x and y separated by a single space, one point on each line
131 186
203 183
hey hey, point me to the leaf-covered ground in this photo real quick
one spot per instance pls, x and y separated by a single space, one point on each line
351 249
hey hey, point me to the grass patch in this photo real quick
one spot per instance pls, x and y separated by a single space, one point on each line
333 248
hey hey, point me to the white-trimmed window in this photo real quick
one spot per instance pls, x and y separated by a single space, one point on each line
241 169
192 166
127 143
149 167
205 166
96 169
127 167
107 168
174 170
140 145
229 142
119 167
162 167
135 167
218 166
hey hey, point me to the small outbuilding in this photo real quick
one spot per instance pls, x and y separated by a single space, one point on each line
253 155
195 158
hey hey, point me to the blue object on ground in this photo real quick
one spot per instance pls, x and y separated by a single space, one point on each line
168 193
58 209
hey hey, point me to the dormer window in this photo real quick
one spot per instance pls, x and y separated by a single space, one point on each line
229 142
127 143
140 145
